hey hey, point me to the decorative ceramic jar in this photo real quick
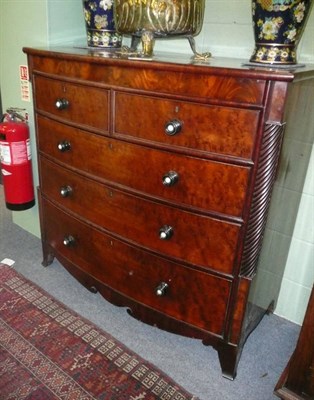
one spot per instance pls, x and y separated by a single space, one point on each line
149 19
278 26
100 26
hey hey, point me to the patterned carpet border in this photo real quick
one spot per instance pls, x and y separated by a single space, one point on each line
50 352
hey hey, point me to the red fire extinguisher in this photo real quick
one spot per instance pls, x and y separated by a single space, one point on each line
16 167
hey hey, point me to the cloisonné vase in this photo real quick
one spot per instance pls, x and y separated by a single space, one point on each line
278 26
100 25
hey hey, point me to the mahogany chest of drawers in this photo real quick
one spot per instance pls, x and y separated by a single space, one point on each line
155 179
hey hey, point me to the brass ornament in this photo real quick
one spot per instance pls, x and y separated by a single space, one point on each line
146 20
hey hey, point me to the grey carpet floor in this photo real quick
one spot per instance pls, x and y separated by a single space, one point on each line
187 361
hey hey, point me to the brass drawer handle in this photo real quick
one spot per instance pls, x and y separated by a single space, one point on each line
65 191
64 146
162 289
68 241
170 178
165 232
62 104
173 127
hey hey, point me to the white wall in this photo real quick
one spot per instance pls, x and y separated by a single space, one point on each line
20 24
299 273
34 23
227 32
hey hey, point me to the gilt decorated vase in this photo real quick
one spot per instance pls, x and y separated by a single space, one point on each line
278 27
100 25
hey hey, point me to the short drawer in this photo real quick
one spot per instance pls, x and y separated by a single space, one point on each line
87 106
223 130
203 184
185 236
195 297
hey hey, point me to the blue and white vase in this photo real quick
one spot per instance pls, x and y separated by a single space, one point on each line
278 26
100 25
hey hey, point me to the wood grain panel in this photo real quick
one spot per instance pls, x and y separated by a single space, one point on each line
137 274
88 106
223 130
211 84
211 243
202 184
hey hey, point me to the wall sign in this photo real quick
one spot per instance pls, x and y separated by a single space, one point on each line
24 83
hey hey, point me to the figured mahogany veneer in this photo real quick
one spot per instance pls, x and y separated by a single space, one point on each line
155 183
235 134
126 268
80 109
212 243
196 176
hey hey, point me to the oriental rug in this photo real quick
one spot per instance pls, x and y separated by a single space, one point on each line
47 351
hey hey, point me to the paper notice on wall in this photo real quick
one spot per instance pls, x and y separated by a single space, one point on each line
24 83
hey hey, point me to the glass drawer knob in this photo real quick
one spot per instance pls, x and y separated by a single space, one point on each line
68 241
65 191
62 104
64 146
165 232
173 127
161 289
170 178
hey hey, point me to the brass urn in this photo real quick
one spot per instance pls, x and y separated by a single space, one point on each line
146 20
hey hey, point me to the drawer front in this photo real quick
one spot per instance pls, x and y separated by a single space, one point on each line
221 82
222 130
202 184
83 105
183 235
192 296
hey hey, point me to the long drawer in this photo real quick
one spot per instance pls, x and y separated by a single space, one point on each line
138 274
75 103
186 236
223 130
203 184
